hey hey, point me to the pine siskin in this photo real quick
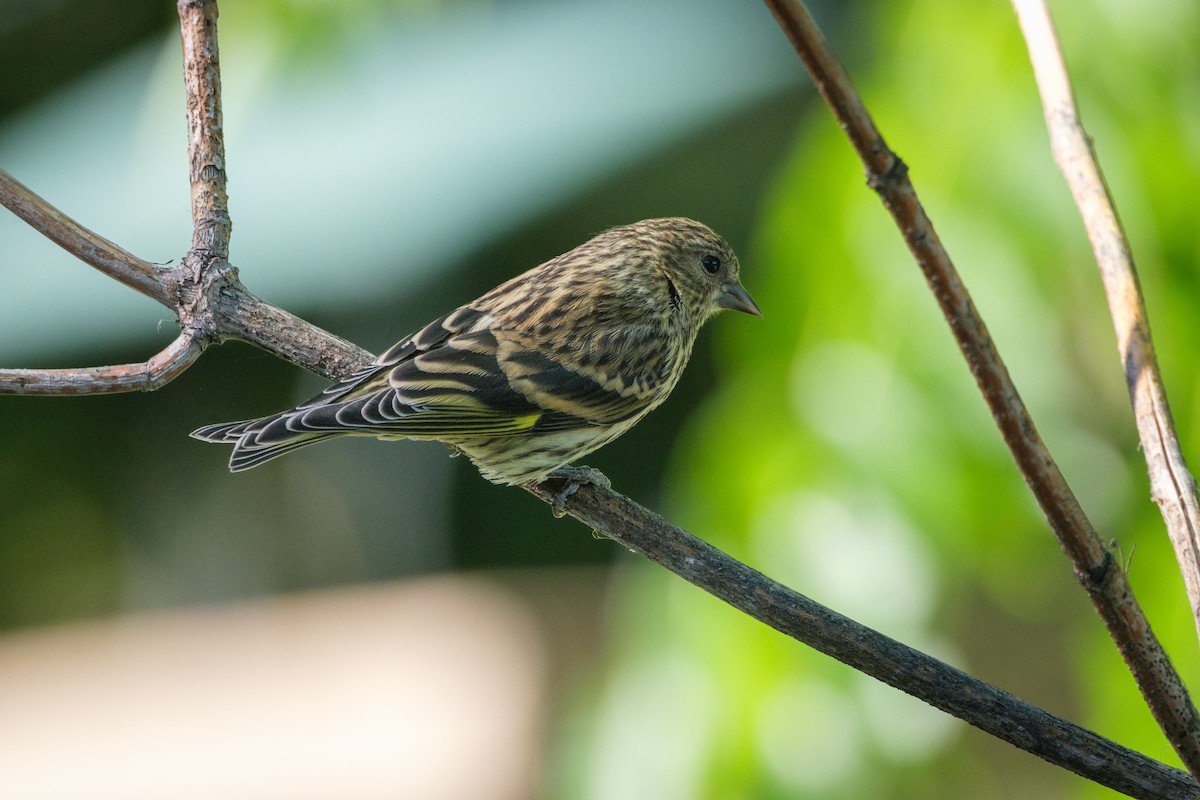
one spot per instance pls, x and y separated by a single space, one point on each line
539 371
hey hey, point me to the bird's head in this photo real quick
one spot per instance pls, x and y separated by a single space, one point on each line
700 269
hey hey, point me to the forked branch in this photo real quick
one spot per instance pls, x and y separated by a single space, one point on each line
203 289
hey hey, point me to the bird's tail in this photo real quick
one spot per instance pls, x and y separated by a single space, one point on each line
249 448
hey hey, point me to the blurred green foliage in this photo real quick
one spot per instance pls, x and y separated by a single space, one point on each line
847 453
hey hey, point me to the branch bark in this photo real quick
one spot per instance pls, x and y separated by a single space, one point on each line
145 377
1094 565
1171 483
206 136
990 709
88 247
203 290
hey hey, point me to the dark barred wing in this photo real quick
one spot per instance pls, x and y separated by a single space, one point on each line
359 382
453 380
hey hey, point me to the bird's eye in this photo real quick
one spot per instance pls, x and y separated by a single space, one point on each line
711 264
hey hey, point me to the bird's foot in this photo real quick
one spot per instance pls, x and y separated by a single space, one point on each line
573 478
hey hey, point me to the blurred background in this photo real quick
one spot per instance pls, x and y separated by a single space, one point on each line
374 620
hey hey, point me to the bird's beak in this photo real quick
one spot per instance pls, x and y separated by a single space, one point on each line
735 298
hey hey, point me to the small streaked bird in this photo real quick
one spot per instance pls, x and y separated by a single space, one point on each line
536 373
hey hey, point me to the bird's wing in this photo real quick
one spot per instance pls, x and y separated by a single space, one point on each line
367 380
442 384
565 387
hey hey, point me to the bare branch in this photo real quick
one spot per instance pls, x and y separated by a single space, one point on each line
1095 567
990 709
206 143
243 316
191 290
145 377
82 243
1171 483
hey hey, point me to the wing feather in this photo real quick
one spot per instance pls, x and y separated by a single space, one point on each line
453 380
559 383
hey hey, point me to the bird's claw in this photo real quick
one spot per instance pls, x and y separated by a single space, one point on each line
573 478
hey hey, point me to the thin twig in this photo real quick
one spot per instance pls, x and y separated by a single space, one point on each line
990 709
89 247
1095 567
145 377
1171 483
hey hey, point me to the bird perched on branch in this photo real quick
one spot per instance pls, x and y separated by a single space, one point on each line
541 370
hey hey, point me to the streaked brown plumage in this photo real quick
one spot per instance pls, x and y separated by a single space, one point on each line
539 371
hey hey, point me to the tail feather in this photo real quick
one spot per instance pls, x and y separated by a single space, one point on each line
248 451
244 458
222 433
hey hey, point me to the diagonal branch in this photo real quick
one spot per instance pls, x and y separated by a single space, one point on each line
1171 484
1095 567
89 247
986 707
